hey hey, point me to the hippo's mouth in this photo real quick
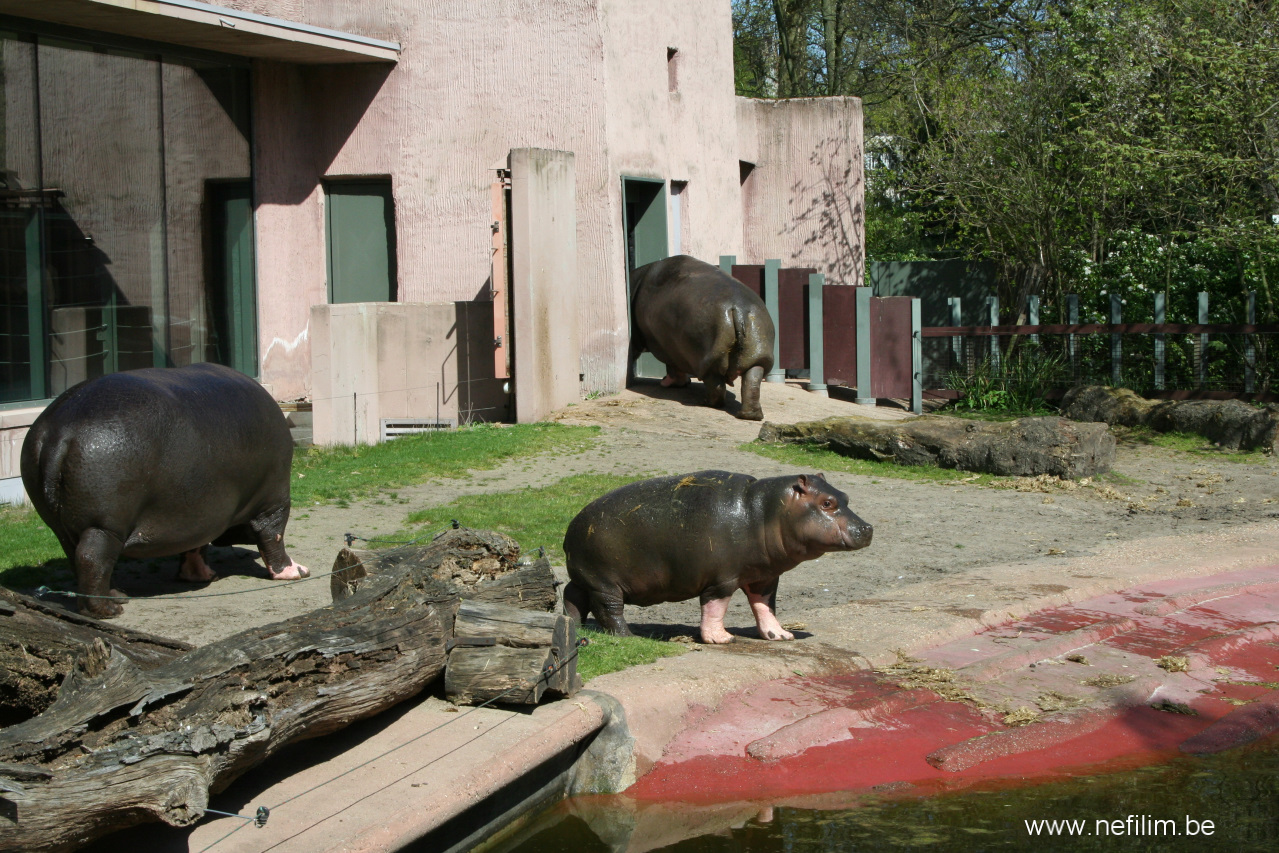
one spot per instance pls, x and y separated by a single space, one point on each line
854 540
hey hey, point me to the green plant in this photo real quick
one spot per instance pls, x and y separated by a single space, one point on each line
1013 386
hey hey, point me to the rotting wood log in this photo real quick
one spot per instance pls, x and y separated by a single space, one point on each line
1026 447
483 667
123 744
1232 424
40 642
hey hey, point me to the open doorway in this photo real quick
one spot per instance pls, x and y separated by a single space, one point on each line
644 203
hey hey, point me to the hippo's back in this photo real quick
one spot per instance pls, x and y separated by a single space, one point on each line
200 441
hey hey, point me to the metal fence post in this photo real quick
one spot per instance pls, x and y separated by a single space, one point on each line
916 357
956 319
1161 354
1116 342
864 395
1201 352
816 336
992 303
1032 314
1250 348
726 263
1072 347
771 269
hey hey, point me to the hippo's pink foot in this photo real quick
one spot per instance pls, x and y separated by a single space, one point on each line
675 379
713 621
194 569
103 608
292 572
716 637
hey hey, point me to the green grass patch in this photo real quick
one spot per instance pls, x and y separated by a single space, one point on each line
607 653
1186 442
534 517
349 472
810 457
29 552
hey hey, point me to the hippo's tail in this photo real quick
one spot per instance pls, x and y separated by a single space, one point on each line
754 345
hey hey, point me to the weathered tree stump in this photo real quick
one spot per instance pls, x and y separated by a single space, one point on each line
1232 424
510 655
132 738
1026 447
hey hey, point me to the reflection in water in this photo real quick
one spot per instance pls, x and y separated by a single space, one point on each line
1237 791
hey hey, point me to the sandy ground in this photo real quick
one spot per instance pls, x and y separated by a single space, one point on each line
923 531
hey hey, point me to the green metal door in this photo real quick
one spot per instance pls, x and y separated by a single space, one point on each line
360 226
644 203
236 323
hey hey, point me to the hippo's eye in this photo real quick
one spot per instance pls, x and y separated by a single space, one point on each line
828 504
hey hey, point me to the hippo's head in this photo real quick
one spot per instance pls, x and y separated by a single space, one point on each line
819 519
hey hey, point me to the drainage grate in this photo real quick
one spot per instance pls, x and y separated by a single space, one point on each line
395 427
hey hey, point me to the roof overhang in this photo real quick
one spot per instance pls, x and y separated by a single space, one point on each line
206 27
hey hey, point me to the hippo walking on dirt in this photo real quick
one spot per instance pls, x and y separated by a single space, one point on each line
149 463
703 536
700 322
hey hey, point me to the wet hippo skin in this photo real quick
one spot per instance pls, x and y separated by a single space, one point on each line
704 536
156 462
701 322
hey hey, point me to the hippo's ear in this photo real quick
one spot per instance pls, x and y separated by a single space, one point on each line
801 486
821 476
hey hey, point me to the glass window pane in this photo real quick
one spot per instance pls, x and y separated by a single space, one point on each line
22 367
105 237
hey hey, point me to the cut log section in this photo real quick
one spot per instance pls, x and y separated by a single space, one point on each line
1026 447
510 655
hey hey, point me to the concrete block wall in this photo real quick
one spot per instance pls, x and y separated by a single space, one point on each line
375 360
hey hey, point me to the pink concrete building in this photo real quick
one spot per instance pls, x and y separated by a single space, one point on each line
405 209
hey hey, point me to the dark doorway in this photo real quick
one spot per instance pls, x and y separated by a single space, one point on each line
644 200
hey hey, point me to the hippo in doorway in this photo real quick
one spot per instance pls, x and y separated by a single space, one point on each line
149 463
703 535
701 322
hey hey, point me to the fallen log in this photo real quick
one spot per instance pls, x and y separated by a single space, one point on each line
1026 447
1232 424
125 743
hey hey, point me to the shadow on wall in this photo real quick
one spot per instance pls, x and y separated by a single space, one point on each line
835 218
306 115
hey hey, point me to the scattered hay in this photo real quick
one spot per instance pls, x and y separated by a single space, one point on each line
795 626
1108 679
1020 716
910 674
1174 663
1051 700
1076 657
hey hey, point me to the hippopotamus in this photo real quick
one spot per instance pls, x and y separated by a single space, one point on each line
701 322
703 535
161 461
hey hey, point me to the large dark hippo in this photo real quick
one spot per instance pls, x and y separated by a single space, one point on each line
149 463
703 535
700 322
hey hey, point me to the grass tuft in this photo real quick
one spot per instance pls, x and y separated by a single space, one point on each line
607 653
534 517
29 552
345 473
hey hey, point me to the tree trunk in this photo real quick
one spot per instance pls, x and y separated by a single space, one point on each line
510 655
133 738
1232 424
1026 448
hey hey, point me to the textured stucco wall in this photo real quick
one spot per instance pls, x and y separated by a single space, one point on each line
804 203
478 78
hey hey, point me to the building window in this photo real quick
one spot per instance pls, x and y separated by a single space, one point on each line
672 69
126 227
679 217
359 219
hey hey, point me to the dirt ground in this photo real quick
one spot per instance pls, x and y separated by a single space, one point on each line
922 530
